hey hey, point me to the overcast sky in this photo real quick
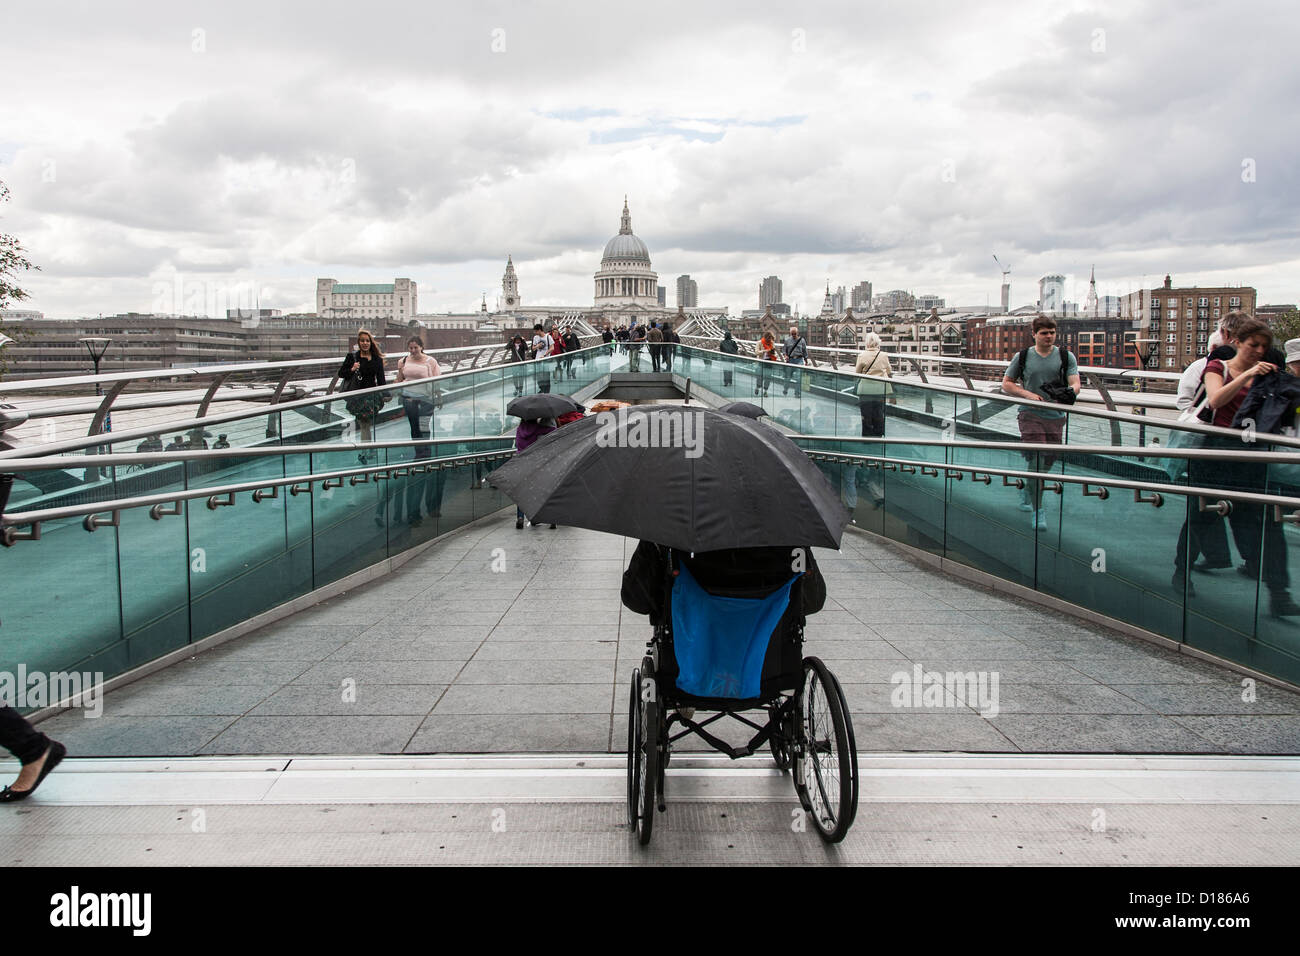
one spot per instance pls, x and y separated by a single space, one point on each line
178 156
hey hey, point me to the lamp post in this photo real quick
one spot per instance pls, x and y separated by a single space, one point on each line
97 345
1139 384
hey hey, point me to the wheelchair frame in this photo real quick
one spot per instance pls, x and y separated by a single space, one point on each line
808 730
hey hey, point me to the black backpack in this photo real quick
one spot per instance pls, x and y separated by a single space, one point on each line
1061 393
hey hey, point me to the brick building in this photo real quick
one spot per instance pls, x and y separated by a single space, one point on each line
1181 319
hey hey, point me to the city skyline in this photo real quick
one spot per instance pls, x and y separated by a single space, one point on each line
284 146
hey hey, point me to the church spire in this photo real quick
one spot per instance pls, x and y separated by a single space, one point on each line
625 226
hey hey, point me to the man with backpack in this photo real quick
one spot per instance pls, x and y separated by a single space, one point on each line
1048 375
541 348
796 353
571 344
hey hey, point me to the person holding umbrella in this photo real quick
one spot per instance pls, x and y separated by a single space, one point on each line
724 480
528 432
537 415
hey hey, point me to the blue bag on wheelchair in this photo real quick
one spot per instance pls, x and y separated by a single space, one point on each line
720 642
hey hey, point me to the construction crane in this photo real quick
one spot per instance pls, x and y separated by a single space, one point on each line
1006 285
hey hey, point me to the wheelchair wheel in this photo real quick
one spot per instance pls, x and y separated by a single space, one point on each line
830 757
782 755
642 757
633 748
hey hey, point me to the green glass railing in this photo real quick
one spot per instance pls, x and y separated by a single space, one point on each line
1099 546
123 595
120 596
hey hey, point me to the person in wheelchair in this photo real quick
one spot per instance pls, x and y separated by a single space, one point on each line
758 576
732 572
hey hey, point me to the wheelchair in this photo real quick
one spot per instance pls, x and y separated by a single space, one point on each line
806 727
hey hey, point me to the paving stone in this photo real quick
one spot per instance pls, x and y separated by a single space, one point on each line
526 699
334 673
536 671
158 699
315 734
495 733
908 731
423 650
134 736
367 700
1248 735
1100 733
1222 697
547 650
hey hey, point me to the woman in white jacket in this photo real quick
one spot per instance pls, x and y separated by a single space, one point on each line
871 394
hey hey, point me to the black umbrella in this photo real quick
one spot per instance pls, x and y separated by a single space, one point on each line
689 478
748 409
542 405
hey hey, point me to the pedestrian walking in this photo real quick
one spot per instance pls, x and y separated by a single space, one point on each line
1039 370
528 432
655 338
796 354
766 352
517 352
1255 529
363 368
541 350
37 753
727 346
872 394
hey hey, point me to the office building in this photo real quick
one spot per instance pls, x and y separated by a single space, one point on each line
860 297
688 293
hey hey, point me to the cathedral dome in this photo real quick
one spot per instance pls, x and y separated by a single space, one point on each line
626 246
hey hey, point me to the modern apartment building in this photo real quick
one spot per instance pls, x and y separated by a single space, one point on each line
1180 320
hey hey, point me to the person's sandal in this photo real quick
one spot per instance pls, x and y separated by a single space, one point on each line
53 756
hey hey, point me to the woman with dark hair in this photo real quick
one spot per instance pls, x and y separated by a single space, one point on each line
1255 530
517 351
364 368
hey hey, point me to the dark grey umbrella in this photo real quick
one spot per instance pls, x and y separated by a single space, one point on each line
748 409
689 478
542 405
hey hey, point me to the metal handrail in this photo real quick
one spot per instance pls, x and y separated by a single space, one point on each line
34 519
1159 400
72 462
1160 488
38 384
210 420
1104 414
1132 373
1116 451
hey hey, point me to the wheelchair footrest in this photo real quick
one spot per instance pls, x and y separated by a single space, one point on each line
735 753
